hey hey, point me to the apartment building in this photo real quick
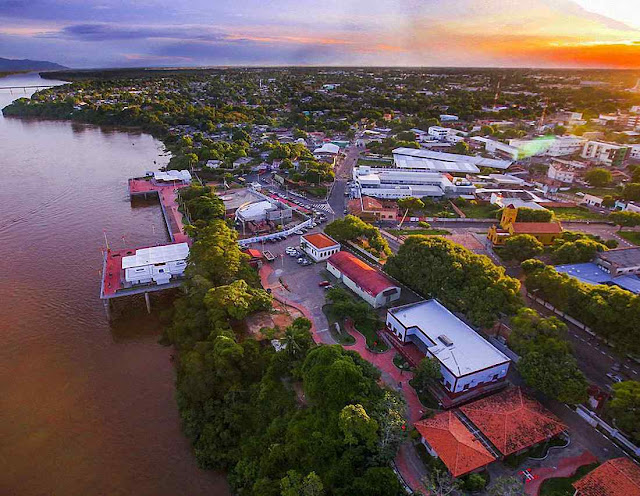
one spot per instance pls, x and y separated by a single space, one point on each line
610 154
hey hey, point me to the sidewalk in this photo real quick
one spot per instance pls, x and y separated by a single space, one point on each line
566 468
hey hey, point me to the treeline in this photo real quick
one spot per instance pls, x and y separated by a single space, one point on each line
609 311
460 279
305 420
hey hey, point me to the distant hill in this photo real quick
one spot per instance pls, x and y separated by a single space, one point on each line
10 65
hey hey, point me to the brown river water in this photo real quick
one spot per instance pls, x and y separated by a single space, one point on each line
86 407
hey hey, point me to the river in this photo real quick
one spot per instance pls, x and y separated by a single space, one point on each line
86 407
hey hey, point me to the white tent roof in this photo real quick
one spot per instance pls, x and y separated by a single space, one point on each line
156 255
328 148
452 157
172 175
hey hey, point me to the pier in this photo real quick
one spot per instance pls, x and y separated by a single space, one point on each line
161 266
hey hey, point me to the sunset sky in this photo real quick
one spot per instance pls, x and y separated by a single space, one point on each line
530 33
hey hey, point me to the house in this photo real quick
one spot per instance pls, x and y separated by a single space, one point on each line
448 118
365 281
327 152
214 164
318 246
445 436
241 162
545 232
512 421
627 206
371 209
467 360
592 200
616 477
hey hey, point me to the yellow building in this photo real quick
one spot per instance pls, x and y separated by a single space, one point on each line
545 232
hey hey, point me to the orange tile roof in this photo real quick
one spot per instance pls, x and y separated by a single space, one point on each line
319 240
512 421
617 477
456 446
537 227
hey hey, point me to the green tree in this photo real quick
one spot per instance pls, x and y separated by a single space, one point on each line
461 148
410 203
293 484
598 177
549 367
441 483
461 280
526 214
357 426
625 219
427 372
625 407
507 486
528 326
235 301
608 201
631 192
579 251
376 481
521 247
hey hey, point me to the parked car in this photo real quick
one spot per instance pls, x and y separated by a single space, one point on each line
323 284
615 377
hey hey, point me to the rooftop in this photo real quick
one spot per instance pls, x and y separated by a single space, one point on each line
512 421
319 240
453 157
626 257
456 446
369 279
590 273
469 352
537 227
617 477
156 255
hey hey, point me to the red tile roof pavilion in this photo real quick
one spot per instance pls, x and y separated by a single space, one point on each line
455 445
617 477
512 421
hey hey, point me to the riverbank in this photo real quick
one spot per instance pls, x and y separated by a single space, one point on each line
87 407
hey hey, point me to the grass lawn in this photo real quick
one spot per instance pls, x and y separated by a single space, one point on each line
561 486
369 330
479 211
435 209
416 232
630 236
342 337
576 213
596 191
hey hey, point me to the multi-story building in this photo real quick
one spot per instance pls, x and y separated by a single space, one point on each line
561 172
548 146
605 153
403 183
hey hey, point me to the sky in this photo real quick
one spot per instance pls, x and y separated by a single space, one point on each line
479 33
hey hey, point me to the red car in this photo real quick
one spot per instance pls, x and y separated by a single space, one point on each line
324 284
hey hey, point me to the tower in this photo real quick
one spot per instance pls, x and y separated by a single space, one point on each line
509 216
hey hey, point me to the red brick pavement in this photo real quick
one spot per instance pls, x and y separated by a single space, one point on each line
566 468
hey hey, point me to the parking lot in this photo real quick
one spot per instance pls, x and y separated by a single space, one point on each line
299 282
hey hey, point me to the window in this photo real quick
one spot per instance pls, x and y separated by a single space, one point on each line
466 386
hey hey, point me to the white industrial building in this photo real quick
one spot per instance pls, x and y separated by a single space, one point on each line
158 264
548 146
413 154
493 146
264 210
466 359
365 281
403 183
564 173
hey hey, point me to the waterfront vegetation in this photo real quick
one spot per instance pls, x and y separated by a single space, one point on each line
241 402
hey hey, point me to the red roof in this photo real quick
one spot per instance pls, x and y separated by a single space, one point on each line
365 276
319 240
617 477
512 421
537 227
253 253
456 446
